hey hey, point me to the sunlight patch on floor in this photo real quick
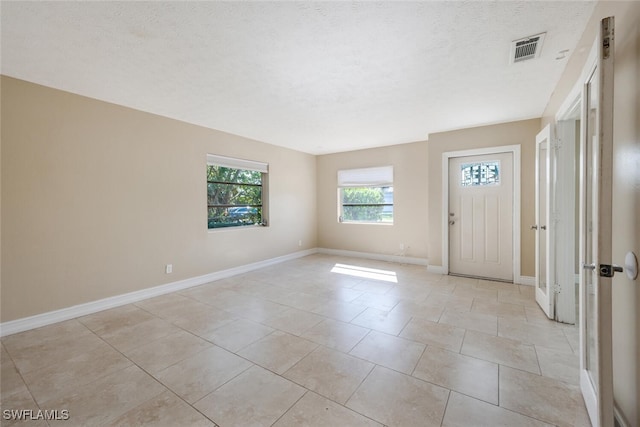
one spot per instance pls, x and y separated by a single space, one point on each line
366 273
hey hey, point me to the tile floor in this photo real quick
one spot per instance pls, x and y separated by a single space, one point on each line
320 340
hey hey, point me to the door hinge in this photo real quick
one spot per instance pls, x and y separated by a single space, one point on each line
556 288
556 144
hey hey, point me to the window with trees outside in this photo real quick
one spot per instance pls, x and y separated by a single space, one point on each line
236 192
366 195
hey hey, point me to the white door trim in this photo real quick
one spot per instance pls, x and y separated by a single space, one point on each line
515 150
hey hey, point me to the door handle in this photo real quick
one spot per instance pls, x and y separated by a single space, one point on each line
607 270
543 227
534 227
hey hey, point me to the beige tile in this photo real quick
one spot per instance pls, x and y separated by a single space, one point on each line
383 321
14 394
18 399
10 380
550 337
572 332
468 375
383 302
335 334
516 297
486 323
500 309
202 373
259 311
294 321
163 410
475 292
255 398
443 287
107 398
340 294
343 311
44 335
166 351
460 280
238 334
330 373
528 291
49 352
496 286
393 398
64 376
315 410
136 335
431 333
278 351
303 300
412 292
262 290
387 350
559 365
535 315
172 306
418 309
539 397
374 286
455 302
462 409
110 321
203 323
501 350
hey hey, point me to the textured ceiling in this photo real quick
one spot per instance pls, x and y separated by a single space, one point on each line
313 76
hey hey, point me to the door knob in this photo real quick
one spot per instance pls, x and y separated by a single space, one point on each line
543 227
534 227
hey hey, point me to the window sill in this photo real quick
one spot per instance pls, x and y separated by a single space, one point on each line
227 229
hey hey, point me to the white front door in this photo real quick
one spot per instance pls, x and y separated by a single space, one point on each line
595 232
481 216
544 226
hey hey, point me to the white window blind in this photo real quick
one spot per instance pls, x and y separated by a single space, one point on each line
368 177
230 162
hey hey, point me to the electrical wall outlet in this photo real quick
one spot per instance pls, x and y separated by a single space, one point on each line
299 242
402 246
168 269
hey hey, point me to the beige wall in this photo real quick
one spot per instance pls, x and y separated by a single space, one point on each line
626 189
521 133
97 198
410 202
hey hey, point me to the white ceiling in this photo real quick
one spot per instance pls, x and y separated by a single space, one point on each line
318 77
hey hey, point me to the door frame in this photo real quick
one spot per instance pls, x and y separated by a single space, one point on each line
515 151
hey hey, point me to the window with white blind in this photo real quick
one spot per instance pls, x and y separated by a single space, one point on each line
366 195
236 192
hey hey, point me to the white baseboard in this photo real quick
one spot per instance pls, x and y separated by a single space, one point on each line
44 319
379 257
525 280
620 420
436 269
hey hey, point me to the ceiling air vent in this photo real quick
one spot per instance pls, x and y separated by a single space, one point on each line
527 48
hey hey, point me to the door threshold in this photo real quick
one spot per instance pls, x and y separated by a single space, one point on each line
493 279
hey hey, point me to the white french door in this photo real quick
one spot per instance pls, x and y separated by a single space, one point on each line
596 158
544 226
